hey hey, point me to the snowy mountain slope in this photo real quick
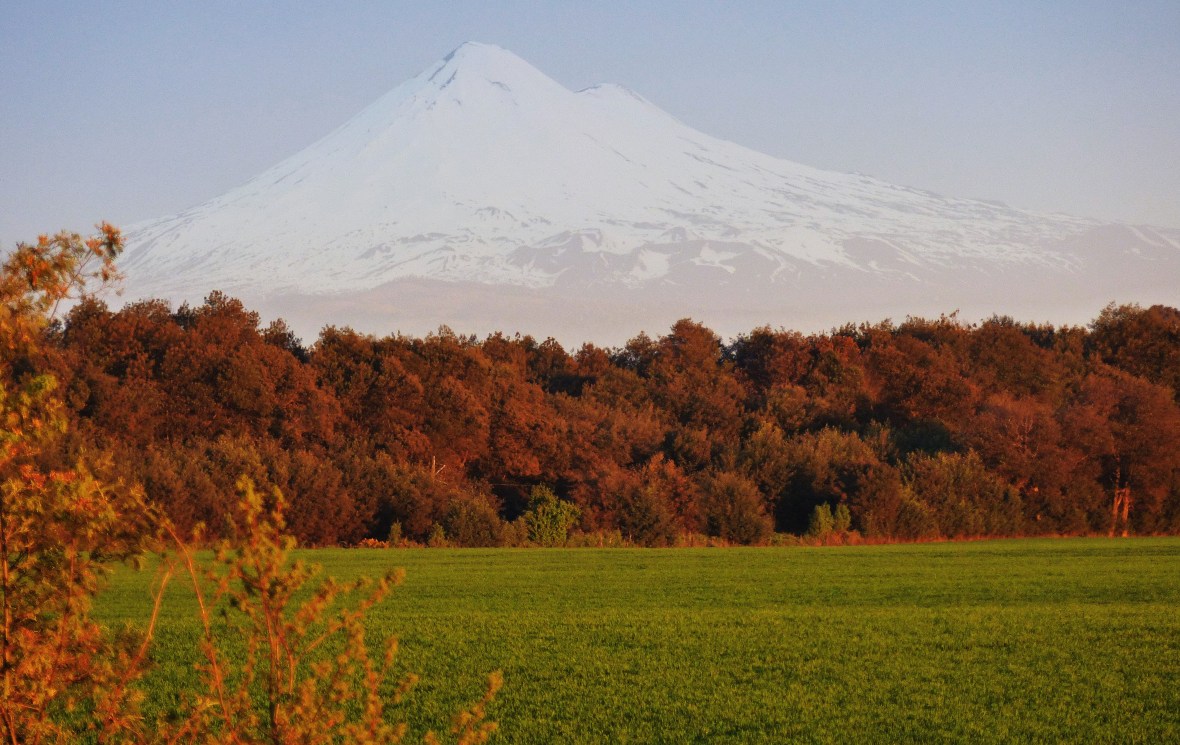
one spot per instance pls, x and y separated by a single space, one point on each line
482 171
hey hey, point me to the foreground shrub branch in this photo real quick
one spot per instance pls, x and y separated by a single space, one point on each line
306 660
63 520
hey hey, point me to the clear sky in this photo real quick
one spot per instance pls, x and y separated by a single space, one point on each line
130 110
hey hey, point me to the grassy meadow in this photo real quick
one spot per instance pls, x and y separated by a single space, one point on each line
995 641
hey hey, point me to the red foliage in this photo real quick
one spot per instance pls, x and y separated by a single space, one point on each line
363 432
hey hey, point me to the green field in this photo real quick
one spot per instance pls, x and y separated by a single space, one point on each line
999 641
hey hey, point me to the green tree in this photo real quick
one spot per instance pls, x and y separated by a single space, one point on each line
549 518
962 496
822 524
842 519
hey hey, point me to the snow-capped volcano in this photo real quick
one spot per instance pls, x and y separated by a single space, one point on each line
484 195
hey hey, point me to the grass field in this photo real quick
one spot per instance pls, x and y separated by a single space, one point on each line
1017 641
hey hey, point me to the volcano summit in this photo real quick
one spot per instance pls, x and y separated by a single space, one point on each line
483 195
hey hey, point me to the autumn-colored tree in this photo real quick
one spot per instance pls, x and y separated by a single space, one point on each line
526 440
1129 430
1144 343
456 385
1003 356
379 397
153 375
914 382
60 527
552 368
691 378
414 495
1020 440
834 382
112 370
767 359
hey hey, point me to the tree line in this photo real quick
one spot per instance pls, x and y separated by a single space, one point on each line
922 429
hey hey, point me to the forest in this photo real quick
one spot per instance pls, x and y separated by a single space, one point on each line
924 429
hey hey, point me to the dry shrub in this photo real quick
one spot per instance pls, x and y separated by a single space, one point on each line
62 521
307 661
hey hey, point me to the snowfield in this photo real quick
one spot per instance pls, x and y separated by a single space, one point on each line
483 195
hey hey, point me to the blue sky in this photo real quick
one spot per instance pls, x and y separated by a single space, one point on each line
131 110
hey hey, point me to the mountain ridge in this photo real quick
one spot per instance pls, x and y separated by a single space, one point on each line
483 171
